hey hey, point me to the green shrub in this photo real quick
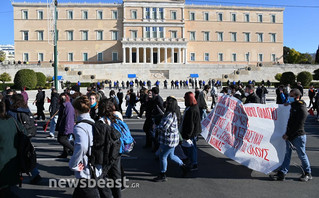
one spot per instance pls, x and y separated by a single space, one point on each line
278 76
288 78
41 79
304 77
49 79
25 78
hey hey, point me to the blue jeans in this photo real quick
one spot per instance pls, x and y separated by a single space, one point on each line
129 110
53 124
300 144
203 114
191 152
34 172
165 152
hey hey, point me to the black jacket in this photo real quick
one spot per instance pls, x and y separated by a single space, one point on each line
120 96
157 109
55 105
252 98
297 119
191 126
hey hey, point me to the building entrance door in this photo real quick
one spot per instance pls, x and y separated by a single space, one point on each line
175 57
154 58
134 57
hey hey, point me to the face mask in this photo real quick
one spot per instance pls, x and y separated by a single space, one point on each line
246 94
291 99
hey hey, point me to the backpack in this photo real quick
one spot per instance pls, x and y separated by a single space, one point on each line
106 145
101 94
25 152
126 137
28 122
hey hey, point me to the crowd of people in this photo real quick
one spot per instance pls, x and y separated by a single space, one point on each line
170 133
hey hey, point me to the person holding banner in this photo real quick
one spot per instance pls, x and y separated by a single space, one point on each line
250 94
295 137
190 128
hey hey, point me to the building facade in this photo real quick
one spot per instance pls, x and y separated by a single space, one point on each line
145 31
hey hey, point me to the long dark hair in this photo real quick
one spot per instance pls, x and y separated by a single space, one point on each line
106 109
3 113
18 101
172 106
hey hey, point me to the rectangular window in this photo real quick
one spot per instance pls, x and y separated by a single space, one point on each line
233 17
220 57
233 36
70 35
260 37
192 36
206 36
114 35
273 18
192 16
85 35
260 18
134 34
247 57
192 56
247 18
234 57
25 57
70 14
114 56
161 13
154 32
99 35
173 34
148 15
40 57
70 57
25 35
206 56
206 16
40 14
273 57
148 32
100 56
260 57
40 35
173 15
273 37
154 15
99 14
247 37
114 14
85 56
134 14
220 16
84 14
220 36
25 14
161 32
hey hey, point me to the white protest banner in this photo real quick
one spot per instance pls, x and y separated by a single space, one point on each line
250 134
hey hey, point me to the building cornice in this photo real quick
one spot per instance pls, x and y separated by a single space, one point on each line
30 4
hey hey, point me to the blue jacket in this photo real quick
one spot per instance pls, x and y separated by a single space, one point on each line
65 123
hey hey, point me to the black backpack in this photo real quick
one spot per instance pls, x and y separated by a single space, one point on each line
106 145
25 152
28 122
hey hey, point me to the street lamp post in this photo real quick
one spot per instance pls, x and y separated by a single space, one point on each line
55 64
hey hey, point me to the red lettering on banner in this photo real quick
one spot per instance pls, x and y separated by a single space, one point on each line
216 143
214 131
228 127
206 122
258 152
274 113
221 122
253 137
251 111
232 104
220 110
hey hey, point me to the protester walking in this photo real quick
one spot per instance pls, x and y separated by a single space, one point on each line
143 98
191 128
120 96
148 124
295 138
203 102
65 124
311 93
53 109
131 104
25 95
39 102
168 135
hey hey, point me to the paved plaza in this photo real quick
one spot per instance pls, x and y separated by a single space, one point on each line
217 176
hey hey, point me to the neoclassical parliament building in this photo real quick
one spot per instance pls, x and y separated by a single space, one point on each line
149 32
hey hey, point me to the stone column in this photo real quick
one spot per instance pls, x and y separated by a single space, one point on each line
144 54
158 55
124 55
185 55
137 55
165 58
172 55
179 55
151 55
130 55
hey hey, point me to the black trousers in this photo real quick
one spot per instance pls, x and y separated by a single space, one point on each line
142 109
115 173
311 101
40 113
64 141
120 107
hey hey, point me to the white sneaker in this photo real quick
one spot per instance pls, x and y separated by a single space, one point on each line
138 117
